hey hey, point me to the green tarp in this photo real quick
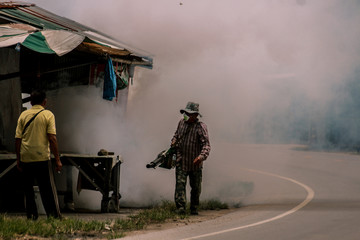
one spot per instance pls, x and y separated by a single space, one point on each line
37 42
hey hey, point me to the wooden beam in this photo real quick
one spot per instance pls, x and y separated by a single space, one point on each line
101 50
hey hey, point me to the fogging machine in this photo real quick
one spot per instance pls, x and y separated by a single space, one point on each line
165 159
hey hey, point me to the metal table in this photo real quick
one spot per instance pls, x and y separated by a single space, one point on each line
99 173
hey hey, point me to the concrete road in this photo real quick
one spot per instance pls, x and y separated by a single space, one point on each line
296 195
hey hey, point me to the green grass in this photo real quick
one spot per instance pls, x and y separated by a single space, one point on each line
213 205
13 227
16 227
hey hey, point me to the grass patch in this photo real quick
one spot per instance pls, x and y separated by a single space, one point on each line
14 227
20 227
213 205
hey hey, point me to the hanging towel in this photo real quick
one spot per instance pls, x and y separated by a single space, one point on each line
122 77
109 81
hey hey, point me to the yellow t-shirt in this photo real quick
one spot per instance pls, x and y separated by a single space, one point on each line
34 142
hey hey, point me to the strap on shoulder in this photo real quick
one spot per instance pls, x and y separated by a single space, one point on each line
32 119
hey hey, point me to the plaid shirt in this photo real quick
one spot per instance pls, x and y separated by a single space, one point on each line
192 140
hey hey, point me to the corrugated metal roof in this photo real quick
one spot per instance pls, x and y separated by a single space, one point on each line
28 17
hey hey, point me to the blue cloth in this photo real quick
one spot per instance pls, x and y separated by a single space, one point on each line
109 81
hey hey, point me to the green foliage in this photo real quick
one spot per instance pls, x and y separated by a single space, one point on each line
155 214
115 235
14 227
10 227
213 204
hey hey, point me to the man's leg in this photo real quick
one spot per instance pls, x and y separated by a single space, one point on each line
180 189
31 209
195 178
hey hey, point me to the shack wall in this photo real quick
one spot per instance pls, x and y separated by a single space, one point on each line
10 97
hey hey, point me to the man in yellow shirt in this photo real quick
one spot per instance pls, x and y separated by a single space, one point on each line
35 136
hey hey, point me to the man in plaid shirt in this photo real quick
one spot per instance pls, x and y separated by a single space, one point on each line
191 140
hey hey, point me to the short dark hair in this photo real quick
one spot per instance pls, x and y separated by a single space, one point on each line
37 97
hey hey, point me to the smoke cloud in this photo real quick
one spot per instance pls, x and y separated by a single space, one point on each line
262 71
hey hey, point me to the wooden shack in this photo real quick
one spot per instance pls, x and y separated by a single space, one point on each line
41 50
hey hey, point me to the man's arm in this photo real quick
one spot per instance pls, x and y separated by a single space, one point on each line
55 151
205 143
17 150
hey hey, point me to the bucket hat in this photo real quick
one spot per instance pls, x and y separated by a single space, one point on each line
191 107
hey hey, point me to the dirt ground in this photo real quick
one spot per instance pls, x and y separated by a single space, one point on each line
125 212
204 215
172 223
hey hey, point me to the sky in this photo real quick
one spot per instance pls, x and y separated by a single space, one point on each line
257 69
236 58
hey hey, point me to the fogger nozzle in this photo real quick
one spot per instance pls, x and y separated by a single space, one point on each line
165 159
151 165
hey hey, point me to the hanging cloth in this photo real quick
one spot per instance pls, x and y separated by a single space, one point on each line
122 77
109 81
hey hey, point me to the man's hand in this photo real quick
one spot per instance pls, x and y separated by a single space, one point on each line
198 160
18 166
173 143
58 166
54 149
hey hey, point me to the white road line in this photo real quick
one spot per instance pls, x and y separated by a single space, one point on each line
309 197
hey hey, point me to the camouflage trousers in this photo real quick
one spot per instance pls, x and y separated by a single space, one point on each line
195 178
